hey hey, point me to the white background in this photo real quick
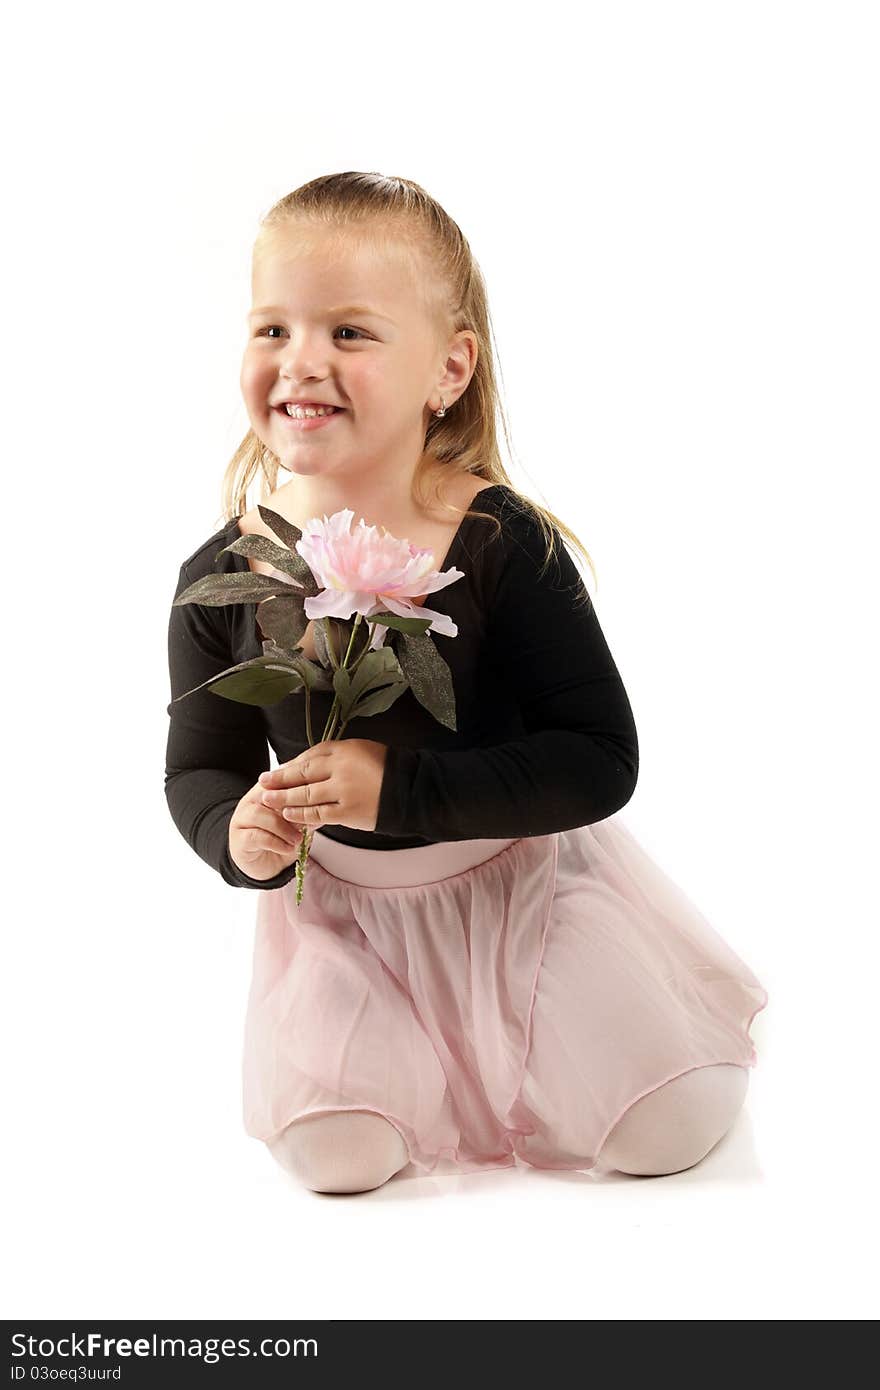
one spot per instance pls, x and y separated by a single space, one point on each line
676 210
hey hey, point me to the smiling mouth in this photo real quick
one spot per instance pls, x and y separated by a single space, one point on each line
306 424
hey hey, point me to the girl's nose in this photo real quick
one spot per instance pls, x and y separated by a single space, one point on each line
303 357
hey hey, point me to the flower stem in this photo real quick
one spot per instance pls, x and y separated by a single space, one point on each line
305 846
357 621
330 731
333 717
356 663
309 734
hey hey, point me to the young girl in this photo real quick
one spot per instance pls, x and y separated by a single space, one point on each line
485 965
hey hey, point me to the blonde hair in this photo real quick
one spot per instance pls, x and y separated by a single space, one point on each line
398 213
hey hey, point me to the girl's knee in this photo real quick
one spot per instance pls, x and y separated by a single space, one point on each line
675 1126
341 1150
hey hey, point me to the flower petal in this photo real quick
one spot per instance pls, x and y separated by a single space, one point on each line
435 579
332 603
441 622
361 570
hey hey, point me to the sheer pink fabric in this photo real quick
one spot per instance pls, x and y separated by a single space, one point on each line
496 1000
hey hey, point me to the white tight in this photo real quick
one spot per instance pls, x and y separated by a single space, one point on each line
675 1126
666 1131
341 1150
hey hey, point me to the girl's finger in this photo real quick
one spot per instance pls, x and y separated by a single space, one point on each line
293 813
277 825
275 844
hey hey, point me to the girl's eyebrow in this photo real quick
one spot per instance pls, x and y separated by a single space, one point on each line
343 309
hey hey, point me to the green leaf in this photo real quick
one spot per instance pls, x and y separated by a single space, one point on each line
429 677
284 529
314 676
257 687
401 624
378 668
263 680
214 590
342 689
331 653
283 620
379 700
287 561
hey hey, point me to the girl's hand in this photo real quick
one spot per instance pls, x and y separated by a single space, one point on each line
261 841
336 782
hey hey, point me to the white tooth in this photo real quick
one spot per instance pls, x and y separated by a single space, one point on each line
308 412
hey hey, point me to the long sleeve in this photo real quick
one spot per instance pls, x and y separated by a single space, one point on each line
578 760
216 748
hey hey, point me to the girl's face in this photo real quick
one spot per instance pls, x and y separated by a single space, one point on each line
341 323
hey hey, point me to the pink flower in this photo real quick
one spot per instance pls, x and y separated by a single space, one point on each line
367 571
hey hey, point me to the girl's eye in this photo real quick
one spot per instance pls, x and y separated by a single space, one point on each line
344 329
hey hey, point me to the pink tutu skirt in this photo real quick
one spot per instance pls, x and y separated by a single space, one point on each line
494 1000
